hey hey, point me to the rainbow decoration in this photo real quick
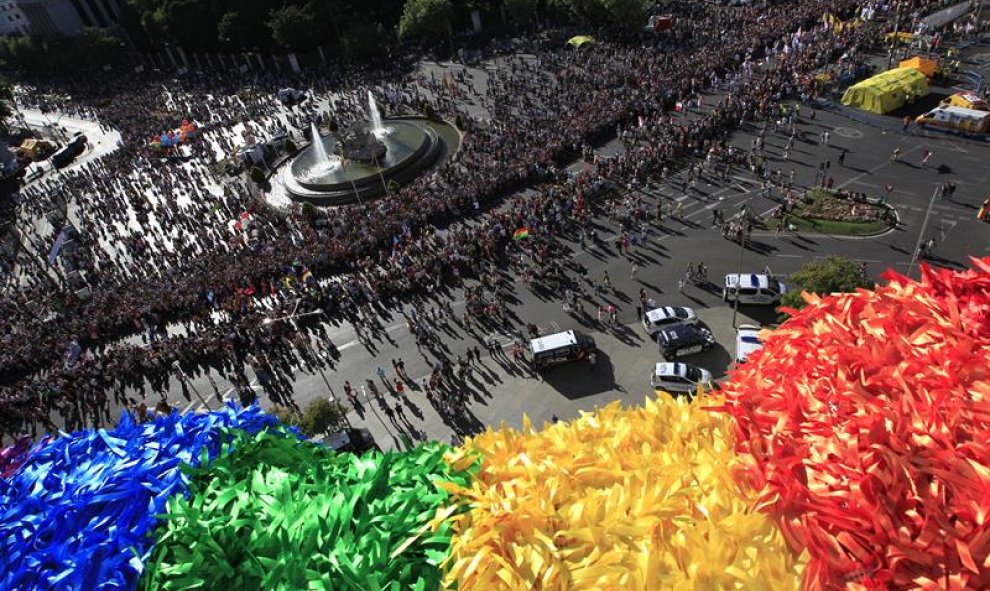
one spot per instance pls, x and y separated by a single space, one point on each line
849 453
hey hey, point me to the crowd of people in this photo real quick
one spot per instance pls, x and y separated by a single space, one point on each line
166 241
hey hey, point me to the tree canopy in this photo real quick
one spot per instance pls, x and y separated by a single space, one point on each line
425 19
622 14
834 274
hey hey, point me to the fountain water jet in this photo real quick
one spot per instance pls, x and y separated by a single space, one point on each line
324 162
377 127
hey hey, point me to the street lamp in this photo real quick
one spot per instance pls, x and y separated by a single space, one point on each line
185 380
921 233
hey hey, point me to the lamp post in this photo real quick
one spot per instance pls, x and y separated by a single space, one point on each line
735 302
292 320
921 233
185 380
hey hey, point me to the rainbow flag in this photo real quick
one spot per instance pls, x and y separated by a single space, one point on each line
521 233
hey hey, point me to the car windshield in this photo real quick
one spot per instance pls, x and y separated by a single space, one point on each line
750 339
773 284
692 373
681 312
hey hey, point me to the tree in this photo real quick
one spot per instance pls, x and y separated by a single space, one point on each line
294 27
621 14
520 10
425 19
364 40
322 416
833 275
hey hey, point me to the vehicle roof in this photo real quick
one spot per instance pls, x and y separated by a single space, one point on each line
554 341
962 112
670 369
682 332
747 341
662 313
748 280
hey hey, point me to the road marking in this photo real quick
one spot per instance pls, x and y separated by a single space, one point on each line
876 168
790 256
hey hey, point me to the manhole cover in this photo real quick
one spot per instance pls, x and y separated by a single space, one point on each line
847 132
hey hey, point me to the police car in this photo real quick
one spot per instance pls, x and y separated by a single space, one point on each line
684 339
680 377
753 288
747 341
561 348
660 318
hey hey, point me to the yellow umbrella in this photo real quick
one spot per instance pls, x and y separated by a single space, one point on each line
580 40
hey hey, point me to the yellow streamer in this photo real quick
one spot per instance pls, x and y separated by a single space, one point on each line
639 499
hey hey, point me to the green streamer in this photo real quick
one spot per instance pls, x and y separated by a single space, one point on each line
276 513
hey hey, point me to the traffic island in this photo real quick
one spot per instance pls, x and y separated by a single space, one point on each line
841 213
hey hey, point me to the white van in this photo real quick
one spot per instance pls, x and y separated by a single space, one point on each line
747 341
957 118
753 289
560 348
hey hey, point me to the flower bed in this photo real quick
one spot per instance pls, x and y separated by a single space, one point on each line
840 206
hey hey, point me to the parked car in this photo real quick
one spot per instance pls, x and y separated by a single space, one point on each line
685 339
680 377
747 341
660 318
753 288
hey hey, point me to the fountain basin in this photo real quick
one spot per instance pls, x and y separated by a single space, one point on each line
410 145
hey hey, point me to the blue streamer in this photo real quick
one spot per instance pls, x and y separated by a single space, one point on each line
79 514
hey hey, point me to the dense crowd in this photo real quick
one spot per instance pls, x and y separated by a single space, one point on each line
172 240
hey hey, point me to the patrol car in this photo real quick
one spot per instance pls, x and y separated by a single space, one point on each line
659 318
684 339
747 341
560 348
680 377
753 288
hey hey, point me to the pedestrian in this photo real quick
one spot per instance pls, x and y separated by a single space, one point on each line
925 155
633 271
680 285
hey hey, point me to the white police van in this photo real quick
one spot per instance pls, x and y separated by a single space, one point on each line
747 341
753 288
560 348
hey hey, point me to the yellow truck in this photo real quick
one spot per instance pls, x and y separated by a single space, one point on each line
966 100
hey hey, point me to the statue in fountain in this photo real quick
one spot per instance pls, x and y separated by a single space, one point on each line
360 144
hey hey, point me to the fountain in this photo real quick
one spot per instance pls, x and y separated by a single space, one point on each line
376 117
363 159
